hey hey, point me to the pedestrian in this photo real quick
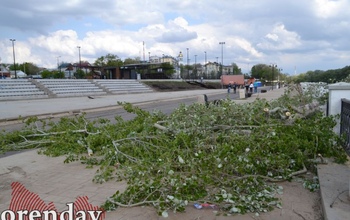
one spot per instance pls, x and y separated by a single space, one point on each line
251 86
229 88
234 87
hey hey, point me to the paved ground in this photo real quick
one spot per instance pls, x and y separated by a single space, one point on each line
54 181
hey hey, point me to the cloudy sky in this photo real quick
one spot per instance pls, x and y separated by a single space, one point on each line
297 35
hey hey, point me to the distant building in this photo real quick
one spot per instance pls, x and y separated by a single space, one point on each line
4 72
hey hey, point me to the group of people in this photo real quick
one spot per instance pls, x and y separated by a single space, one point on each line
234 86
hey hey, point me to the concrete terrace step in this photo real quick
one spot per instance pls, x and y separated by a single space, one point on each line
22 93
79 90
50 88
122 86
20 88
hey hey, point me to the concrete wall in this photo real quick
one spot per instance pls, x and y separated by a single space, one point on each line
337 92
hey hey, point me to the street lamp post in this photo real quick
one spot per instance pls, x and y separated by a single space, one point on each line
58 63
180 59
14 57
222 56
205 63
273 73
188 64
195 65
79 57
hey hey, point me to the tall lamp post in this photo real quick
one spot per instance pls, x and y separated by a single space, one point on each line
79 58
205 63
188 65
222 56
180 59
195 65
273 73
58 63
14 57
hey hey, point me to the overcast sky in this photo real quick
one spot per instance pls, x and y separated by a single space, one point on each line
296 35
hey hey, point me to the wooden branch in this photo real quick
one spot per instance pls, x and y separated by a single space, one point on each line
115 144
161 127
61 132
304 170
131 205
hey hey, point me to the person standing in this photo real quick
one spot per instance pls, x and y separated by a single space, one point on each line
234 87
229 88
251 86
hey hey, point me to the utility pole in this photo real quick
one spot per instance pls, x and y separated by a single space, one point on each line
14 57
222 56
205 63
79 57
188 64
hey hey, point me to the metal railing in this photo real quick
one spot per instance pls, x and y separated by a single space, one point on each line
345 123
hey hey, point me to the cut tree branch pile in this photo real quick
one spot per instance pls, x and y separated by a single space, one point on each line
231 155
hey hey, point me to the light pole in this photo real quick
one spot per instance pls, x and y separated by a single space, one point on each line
180 59
222 56
14 57
205 63
273 72
58 63
188 64
79 57
217 65
195 65
278 77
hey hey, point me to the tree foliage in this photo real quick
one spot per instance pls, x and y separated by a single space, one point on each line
329 76
132 61
29 68
47 74
229 155
236 69
108 60
267 73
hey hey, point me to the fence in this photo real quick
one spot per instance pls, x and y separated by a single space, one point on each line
345 123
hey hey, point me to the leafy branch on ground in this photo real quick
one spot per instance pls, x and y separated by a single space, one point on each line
230 155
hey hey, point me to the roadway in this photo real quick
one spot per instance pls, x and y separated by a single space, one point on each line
167 106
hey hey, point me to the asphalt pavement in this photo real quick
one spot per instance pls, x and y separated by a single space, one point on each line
53 181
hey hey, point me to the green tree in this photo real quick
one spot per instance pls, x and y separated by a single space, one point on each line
46 74
80 74
132 61
236 69
12 67
29 68
108 60
262 72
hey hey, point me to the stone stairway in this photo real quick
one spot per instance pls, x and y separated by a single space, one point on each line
19 89
122 86
51 88
70 87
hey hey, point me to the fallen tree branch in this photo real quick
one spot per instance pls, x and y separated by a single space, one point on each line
61 132
131 205
161 127
296 173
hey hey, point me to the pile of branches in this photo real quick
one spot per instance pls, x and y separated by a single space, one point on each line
231 156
